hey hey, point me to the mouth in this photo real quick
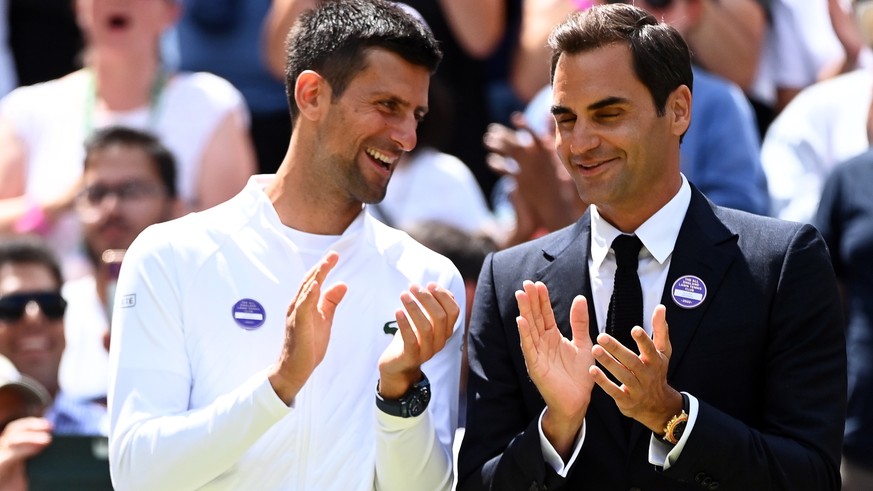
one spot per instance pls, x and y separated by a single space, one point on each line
380 159
588 166
118 22
33 346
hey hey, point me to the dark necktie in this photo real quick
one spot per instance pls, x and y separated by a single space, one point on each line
626 305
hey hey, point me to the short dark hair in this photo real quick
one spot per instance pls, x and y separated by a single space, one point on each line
333 39
163 159
661 58
30 249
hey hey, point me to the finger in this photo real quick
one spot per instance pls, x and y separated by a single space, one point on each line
608 359
497 163
524 311
546 306
316 273
619 352
438 322
411 346
528 345
422 326
330 299
661 332
448 304
536 313
520 123
647 349
605 383
579 323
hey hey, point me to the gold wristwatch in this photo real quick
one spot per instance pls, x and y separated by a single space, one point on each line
676 426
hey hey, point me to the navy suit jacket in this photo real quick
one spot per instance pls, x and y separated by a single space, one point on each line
764 353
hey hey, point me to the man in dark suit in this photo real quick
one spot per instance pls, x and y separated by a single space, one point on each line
745 390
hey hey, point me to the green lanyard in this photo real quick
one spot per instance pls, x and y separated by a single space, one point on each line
154 101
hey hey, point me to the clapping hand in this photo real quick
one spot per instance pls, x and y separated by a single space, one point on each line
424 325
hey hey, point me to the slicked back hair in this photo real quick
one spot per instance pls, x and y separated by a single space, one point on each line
661 58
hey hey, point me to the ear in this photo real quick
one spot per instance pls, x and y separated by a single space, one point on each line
679 109
312 94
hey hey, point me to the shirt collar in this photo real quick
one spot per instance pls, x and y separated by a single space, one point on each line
658 234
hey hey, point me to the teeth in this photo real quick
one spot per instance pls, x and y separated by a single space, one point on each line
379 156
33 343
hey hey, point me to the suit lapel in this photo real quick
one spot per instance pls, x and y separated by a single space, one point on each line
705 249
566 273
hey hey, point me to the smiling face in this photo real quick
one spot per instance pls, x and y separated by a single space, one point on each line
623 157
34 343
363 132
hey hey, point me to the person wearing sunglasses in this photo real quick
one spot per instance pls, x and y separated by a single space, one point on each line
32 338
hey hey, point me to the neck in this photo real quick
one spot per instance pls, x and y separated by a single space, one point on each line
302 200
123 83
308 208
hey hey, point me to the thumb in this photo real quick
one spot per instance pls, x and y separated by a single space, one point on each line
331 299
660 331
579 323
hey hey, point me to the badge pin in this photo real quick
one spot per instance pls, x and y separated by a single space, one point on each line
688 292
249 314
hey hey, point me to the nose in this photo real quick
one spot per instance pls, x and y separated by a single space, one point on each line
405 133
583 139
33 313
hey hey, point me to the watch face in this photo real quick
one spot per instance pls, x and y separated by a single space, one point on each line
679 429
419 400
415 406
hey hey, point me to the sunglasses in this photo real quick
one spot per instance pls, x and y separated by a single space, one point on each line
51 304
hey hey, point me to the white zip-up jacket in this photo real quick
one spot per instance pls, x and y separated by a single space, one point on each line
200 317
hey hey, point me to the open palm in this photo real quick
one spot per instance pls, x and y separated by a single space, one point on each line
559 367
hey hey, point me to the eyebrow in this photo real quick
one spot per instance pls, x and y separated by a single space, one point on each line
419 111
606 102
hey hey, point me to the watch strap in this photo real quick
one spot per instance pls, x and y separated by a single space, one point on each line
410 404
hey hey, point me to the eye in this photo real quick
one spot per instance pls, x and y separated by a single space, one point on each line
610 114
390 105
565 119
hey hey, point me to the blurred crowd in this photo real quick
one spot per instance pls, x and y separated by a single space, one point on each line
115 115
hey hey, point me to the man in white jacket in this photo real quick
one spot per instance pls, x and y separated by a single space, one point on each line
216 382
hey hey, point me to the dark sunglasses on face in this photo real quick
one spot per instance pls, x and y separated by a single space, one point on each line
51 304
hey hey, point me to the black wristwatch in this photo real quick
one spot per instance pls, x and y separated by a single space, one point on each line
411 404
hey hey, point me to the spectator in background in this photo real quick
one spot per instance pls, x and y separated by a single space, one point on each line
199 116
22 402
827 123
807 40
32 338
128 183
845 219
226 37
